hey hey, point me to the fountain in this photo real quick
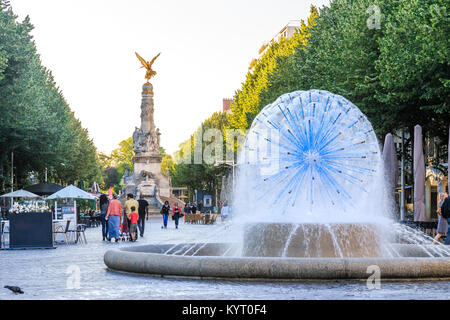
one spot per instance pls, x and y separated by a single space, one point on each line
310 203
311 162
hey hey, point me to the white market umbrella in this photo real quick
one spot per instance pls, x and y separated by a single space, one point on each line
71 192
20 194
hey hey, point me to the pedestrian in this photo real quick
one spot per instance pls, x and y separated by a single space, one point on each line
165 212
200 206
114 218
187 208
104 204
445 212
127 207
143 214
193 208
176 214
442 222
224 212
134 222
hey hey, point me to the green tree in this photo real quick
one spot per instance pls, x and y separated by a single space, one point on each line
397 73
185 173
122 157
167 164
248 100
37 123
413 65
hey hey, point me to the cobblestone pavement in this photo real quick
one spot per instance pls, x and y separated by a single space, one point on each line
50 274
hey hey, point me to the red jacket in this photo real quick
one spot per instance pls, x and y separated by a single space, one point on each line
176 210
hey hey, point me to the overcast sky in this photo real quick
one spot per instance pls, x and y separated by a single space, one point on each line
206 48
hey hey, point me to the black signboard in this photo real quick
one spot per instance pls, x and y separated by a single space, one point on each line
31 230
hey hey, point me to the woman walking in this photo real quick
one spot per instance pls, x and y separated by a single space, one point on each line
442 223
176 214
165 212
104 204
114 217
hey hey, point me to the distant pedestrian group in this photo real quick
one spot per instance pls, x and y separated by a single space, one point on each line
119 223
191 208
176 214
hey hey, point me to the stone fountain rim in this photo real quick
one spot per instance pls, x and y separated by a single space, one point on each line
272 268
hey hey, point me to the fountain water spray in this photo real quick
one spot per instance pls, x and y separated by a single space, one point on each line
311 156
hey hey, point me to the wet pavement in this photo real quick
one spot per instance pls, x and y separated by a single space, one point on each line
54 274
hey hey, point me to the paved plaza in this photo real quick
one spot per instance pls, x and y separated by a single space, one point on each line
49 274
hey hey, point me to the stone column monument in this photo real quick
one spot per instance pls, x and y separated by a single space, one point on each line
148 179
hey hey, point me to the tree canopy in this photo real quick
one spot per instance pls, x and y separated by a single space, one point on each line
389 57
37 125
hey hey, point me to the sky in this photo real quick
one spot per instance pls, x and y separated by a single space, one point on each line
206 47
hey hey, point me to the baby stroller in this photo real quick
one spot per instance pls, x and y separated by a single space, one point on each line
124 231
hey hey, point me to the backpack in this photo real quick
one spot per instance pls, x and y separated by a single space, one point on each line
445 208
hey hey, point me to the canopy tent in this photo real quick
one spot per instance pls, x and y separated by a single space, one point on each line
71 192
20 194
44 189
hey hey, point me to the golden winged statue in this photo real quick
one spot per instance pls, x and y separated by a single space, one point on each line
148 65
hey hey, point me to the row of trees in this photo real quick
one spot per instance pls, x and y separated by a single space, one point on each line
389 57
38 132
394 68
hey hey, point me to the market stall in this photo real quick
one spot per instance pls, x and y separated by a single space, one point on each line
30 222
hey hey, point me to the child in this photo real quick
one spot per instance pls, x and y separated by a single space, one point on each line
134 220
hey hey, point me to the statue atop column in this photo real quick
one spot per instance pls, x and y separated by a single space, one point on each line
146 139
147 178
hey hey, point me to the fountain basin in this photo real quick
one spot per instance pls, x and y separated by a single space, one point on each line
314 240
215 264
